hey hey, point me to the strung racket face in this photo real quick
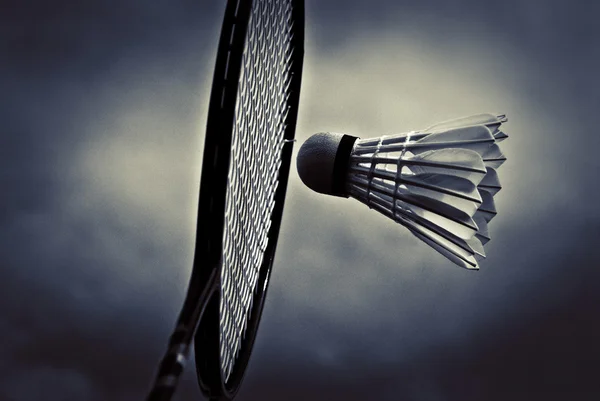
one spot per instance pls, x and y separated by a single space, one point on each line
250 131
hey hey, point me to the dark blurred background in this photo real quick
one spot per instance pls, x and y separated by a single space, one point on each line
103 109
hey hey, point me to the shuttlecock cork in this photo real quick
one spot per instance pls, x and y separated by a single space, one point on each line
438 182
323 162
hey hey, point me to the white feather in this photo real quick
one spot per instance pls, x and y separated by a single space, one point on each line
438 182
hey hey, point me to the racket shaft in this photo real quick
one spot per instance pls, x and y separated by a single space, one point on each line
170 370
172 364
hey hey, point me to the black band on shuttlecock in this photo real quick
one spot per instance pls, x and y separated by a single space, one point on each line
340 166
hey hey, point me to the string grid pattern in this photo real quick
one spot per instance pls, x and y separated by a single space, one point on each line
257 143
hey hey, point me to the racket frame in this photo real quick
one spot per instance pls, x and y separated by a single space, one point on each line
213 187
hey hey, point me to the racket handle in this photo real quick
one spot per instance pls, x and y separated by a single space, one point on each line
161 394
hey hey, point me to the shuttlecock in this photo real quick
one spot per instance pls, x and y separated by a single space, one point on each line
438 182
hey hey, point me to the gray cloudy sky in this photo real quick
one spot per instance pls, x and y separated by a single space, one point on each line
103 111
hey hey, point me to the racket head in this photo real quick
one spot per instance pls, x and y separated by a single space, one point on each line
248 147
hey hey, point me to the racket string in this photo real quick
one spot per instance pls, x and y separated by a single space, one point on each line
257 142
